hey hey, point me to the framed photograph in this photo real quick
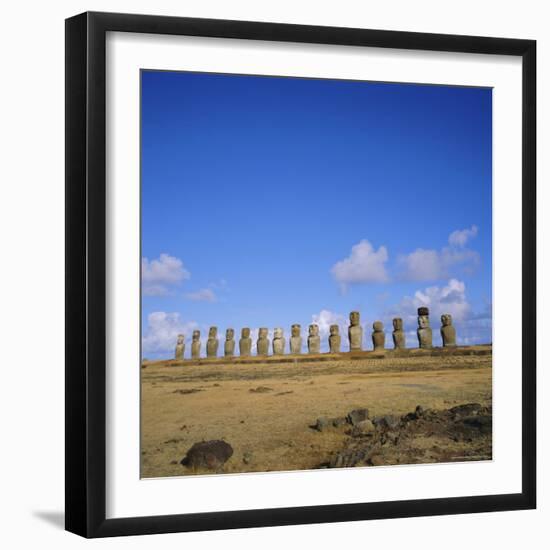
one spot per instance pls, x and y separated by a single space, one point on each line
300 274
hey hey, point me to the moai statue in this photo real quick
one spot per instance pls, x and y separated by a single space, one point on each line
212 342
296 339
229 346
334 339
424 331
355 332
448 332
314 340
378 336
196 345
262 345
245 343
278 342
180 346
398 334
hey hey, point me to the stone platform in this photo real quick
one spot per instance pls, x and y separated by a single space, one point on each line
322 357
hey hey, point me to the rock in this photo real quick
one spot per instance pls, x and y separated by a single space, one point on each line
387 421
322 423
390 437
337 461
357 415
346 459
340 421
418 413
188 391
208 454
484 423
365 426
469 409
260 389
376 460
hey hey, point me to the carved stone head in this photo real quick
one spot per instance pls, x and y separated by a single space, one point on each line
181 339
229 334
354 318
423 319
398 323
278 333
334 330
446 320
196 335
245 332
378 326
213 332
314 330
262 333
295 330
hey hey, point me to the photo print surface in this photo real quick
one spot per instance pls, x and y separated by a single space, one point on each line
316 274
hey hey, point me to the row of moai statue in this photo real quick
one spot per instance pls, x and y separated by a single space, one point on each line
355 337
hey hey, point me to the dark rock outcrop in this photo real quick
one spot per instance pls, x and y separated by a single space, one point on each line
210 455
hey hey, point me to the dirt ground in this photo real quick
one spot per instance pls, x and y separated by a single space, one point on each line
267 411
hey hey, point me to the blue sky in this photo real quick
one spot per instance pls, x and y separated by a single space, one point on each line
268 201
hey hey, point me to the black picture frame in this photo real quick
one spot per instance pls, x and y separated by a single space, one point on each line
86 269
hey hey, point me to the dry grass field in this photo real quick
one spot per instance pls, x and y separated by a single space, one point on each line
266 409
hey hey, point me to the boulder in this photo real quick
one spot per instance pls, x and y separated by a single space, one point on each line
387 421
210 455
322 423
357 415
484 423
340 421
469 409
365 426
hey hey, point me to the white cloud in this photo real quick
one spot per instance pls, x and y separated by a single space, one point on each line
202 295
159 274
460 237
448 299
434 265
363 265
421 265
324 319
471 327
159 337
